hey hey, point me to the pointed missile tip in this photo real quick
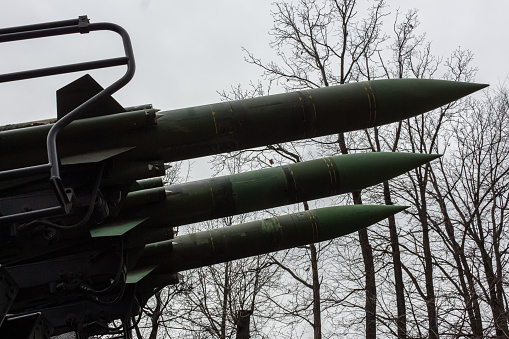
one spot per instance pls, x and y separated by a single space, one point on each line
391 210
467 88
481 86
361 170
396 208
352 218
473 85
386 211
425 157
432 157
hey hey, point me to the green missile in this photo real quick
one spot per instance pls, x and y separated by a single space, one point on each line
227 126
266 188
259 237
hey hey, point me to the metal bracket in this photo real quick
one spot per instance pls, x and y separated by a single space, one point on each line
8 291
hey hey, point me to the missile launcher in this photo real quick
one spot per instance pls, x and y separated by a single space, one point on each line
86 223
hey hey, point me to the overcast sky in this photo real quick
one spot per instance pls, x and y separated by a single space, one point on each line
187 50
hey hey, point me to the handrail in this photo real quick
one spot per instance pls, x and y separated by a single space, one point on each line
80 25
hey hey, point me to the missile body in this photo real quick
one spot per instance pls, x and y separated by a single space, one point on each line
262 236
227 126
267 188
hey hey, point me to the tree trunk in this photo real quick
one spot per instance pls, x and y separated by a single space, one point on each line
398 274
367 256
428 260
317 314
369 267
156 314
244 318
317 321
224 307
496 303
470 297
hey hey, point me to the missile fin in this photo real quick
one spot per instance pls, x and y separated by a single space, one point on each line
139 273
77 92
116 228
94 157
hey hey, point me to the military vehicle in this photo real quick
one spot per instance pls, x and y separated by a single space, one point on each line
87 225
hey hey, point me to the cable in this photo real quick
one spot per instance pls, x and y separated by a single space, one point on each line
121 269
83 221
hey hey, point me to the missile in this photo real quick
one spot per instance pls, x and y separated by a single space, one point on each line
187 133
229 126
219 245
229 195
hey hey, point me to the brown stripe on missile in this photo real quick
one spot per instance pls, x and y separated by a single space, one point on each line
314 225
334 176
214 118
375 108
372 103
313 126
212 243
276 234
309 115
291 185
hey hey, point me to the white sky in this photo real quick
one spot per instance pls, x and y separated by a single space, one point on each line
187 50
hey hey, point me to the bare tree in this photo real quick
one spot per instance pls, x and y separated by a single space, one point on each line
320 43
472 187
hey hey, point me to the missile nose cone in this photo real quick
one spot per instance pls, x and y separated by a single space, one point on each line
462 89
445 92
404 98
358 171
353 218
472 87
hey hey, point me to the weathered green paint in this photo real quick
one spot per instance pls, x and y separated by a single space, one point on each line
262 236
222 127
228 126
267 188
